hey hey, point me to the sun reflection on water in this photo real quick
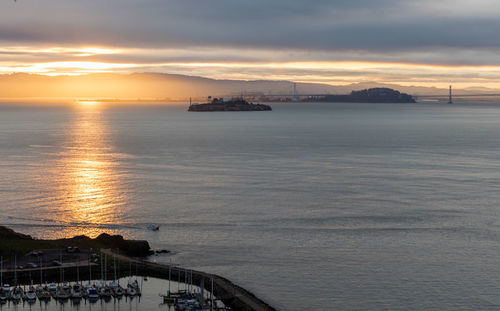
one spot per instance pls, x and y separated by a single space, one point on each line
89 180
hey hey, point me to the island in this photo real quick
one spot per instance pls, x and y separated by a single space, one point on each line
374 95
225 104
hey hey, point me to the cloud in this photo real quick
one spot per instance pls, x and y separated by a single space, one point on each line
289 24
164 35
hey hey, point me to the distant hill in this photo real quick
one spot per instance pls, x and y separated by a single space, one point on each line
373 95
171 87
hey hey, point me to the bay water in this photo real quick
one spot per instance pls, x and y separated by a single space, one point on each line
313 206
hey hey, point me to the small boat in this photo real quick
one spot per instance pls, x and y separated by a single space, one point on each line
76 292
93 294
30 295
130 291
4 296
86 290
16 294
154 227
52 289
43 293
118 292
106 292
136 287
63 292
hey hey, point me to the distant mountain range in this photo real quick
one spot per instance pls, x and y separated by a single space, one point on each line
159 86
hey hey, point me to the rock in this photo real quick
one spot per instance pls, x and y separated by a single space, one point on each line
7 233
162 251
137 248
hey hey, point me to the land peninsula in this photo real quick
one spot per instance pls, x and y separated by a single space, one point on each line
373 95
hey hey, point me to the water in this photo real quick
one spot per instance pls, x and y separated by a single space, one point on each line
310 206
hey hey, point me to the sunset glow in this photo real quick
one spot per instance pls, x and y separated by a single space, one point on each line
342 44
80 61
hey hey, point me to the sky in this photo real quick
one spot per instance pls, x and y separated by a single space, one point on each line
407 42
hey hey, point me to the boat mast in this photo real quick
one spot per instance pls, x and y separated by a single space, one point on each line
90 271
105 264
1 271
450 99
211 294
41 271
62 270
15 270
102 271
114 265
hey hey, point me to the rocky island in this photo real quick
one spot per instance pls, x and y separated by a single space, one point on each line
375 95
223 104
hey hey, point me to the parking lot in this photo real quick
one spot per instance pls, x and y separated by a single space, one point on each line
50 257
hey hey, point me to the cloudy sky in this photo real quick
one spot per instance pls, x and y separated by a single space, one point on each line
410 42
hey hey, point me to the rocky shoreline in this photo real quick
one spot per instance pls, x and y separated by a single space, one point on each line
14 243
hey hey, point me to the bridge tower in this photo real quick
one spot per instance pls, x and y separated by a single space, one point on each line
294 95
450 99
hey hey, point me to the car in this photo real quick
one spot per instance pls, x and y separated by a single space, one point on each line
36 253
56 263
73 249
20 267
31 265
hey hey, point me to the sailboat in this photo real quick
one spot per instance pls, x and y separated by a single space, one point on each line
4 292
53 289
92 294
30 294
77 289
104 290
63 291
115 284
16 293
129 290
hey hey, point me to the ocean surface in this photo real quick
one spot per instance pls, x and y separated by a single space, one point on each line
310 206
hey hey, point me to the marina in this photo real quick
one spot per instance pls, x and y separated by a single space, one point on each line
150 298
121 281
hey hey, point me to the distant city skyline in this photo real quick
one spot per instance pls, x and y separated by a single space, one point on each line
422 43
